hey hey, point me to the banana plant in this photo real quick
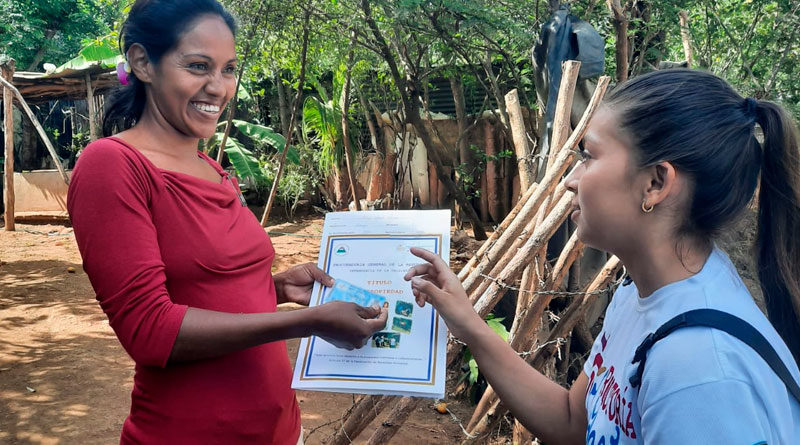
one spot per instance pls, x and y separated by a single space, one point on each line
245 161
322 124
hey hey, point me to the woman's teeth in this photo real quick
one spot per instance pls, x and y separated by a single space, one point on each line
208 108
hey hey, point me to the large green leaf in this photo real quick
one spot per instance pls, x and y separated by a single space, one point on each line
96 53
243 160
266 135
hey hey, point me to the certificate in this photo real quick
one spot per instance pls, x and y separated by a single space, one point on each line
370 250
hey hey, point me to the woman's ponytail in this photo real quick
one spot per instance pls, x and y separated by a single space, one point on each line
778 243
124 107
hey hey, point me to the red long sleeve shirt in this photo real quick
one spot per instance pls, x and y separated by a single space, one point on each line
155 242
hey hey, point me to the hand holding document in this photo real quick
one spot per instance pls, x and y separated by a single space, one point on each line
368 253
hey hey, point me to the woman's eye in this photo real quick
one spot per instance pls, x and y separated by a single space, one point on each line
198 66
229 69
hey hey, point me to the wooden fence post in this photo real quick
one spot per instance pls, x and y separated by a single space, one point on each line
8 110
92 110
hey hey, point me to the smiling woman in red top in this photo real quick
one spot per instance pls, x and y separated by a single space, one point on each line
179 264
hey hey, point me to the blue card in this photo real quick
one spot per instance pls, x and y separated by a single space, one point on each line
344 291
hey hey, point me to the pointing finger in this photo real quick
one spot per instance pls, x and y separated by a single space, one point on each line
419 269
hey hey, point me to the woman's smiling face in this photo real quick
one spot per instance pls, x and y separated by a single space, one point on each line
194 81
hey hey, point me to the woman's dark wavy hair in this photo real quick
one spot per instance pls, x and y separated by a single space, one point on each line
157 25
698 123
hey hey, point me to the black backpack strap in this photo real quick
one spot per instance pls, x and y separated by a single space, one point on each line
723 321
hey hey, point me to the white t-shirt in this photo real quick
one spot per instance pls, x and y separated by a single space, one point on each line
700 385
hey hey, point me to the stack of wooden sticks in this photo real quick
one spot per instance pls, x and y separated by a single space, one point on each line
514 254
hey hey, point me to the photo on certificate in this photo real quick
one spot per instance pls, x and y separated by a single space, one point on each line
386 340
401 324
403 308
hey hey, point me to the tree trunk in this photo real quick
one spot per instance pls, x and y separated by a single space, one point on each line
360 416
686 36
492 176
375 188
433 186
37 58
464 158
403 408
283 103
620 23
344 103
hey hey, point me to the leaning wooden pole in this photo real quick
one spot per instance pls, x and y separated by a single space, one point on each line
359 417
522 148
400 413
295 106
506 226
8 129
38 127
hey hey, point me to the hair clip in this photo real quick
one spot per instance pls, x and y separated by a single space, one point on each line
123 69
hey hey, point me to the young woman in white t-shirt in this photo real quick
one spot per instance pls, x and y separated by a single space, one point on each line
669 159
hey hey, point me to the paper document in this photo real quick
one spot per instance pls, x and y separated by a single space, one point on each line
367 253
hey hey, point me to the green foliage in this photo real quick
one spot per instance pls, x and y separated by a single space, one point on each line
498 327
322 124
297 179
37 31
98 52
243 160
469 173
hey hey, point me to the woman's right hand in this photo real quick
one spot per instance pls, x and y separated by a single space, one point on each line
435 283
347 325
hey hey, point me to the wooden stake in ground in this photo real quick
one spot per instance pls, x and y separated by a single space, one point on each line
295 106
361 415
92 110
8 85
8 129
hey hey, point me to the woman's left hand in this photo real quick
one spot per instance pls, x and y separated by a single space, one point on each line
295 284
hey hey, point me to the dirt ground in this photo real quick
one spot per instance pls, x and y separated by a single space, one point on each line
64 378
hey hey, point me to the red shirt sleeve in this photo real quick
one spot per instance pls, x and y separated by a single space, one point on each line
109 203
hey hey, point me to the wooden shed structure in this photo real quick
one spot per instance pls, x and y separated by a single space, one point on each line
42 193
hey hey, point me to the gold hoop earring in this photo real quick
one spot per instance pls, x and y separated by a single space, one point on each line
646 209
